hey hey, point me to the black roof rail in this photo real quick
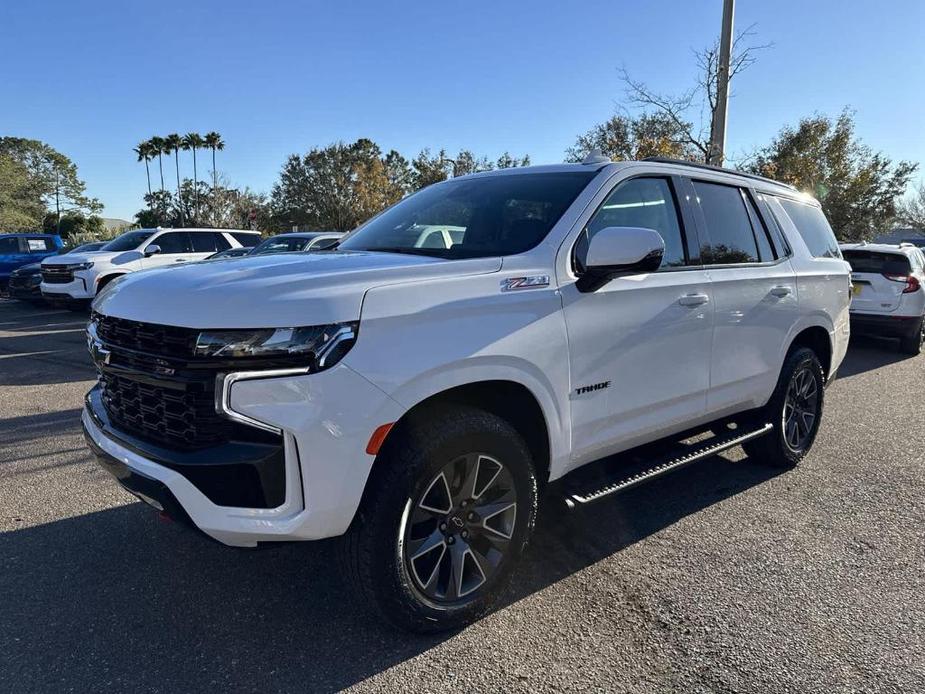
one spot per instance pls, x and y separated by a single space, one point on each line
720 169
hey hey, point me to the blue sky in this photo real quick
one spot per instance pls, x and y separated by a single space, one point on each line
94 78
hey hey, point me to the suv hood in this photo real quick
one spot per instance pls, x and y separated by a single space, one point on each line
96 257
273 290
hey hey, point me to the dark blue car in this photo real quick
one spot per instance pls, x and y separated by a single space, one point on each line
22 249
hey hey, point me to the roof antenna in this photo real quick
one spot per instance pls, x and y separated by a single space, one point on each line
595 156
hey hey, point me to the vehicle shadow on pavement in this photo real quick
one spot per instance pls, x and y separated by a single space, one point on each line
869 353
122 598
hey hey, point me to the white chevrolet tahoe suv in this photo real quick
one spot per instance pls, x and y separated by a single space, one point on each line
75 278
419 399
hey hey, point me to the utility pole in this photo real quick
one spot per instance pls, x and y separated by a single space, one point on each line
57 200
718 128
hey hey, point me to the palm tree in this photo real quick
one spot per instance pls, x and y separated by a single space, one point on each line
158 147
143 150
173 142
214 141
193 141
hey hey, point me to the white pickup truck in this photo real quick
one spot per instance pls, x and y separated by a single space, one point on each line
420 398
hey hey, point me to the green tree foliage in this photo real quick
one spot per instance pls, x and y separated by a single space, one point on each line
342 185
225 208
636 137
21 206
338 186
75 225
506 161
912 210
427 169
51 182
858 188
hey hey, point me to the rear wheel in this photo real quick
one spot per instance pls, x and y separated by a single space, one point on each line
795 409
446 517
912 343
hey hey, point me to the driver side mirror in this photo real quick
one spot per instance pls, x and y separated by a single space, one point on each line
617 251
153 249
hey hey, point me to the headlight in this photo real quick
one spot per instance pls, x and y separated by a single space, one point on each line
318 347
80 266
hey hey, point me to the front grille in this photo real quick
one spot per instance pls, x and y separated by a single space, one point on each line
151 389
175 418
57 274
23 281
160 340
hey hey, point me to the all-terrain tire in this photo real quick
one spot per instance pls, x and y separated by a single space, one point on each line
374 555
778 448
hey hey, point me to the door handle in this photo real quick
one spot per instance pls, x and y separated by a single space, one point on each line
780 291
693 299
180 260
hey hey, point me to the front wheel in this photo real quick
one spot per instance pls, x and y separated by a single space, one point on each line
795 410
447 514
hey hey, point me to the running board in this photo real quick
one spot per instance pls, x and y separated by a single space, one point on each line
712 447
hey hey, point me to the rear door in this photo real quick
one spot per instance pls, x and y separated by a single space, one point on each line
879 278
754 290
206 243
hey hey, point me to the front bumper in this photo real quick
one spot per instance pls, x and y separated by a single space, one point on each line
79 288
883 325
23 290
326 419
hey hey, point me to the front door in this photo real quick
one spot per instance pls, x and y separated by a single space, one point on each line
639 346
175 247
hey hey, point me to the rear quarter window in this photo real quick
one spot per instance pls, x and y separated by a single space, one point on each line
246 240
813 227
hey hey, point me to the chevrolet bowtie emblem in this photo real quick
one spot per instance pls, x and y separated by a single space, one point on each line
99 353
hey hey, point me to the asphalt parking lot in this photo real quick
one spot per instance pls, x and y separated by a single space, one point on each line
724 577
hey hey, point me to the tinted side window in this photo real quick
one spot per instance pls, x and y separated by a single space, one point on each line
203 243
221 243
765 251
174 242
9 246
729 231
246 240
813 227
640 202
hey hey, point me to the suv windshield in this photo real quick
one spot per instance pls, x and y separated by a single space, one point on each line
280 245
128 241
878 263
473 218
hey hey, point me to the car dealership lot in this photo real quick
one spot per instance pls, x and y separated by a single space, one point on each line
722 577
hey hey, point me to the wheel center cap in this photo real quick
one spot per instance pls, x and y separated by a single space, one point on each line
456 523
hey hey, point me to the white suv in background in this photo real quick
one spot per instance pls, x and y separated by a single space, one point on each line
75 278
888 292
417 398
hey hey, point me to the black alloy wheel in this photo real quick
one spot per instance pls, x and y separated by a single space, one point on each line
457 532
801 408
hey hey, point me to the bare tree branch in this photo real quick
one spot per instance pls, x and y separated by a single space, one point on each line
702 97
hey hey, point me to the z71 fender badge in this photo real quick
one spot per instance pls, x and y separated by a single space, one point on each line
535 282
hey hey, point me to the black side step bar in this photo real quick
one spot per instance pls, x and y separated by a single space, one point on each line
576 497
